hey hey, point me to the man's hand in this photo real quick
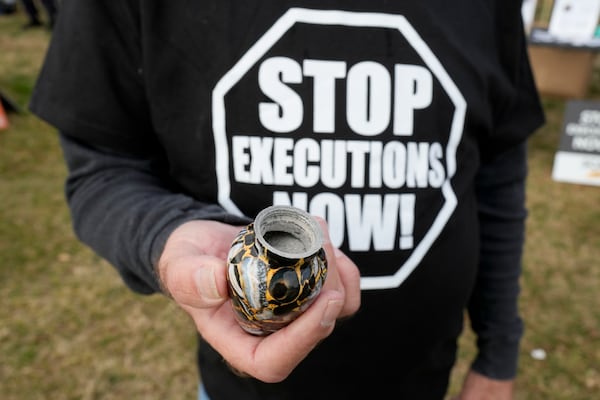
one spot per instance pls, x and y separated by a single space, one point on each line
479 387
193 271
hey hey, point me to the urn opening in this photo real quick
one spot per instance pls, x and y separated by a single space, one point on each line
288 232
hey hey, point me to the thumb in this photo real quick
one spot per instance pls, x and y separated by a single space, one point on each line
198 282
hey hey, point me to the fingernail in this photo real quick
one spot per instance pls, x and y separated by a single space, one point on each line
206 283
331 313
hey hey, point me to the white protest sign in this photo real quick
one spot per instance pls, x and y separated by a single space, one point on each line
578 157
574 20
528 13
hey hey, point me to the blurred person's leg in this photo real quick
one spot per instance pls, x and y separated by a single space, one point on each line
8 6
51 9
32 13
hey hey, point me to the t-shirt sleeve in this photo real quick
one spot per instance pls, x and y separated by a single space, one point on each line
91 82
91 88
517 108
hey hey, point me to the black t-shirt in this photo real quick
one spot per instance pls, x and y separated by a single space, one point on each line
376 115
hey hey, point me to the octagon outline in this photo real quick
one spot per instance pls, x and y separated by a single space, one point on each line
356 19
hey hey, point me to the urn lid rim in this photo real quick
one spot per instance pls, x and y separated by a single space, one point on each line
294 221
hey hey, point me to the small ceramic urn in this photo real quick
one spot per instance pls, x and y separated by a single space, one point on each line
277 267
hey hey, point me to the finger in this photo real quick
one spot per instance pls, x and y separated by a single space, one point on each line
285 349
272 358
196 281
342 274
332 281
349 275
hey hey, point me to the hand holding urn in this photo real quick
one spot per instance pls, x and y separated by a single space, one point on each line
276 268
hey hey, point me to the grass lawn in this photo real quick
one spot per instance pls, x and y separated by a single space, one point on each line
69 329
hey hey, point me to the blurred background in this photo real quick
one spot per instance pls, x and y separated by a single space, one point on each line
69 329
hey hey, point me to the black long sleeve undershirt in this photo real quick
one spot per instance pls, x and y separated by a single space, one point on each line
125 213
493 307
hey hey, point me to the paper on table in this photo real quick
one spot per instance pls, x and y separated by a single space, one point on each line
528 13
574 20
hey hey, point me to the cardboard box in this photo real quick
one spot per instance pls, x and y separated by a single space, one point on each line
562 71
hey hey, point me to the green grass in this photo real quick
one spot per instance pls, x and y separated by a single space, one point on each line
69 329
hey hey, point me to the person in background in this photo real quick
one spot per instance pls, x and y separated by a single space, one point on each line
31 8
8 7
402 125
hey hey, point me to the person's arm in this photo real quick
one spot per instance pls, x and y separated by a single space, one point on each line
493 307
125 212
158 238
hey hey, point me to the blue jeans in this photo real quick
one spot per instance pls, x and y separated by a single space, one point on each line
202 393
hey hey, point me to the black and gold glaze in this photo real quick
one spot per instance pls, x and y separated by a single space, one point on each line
269 291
